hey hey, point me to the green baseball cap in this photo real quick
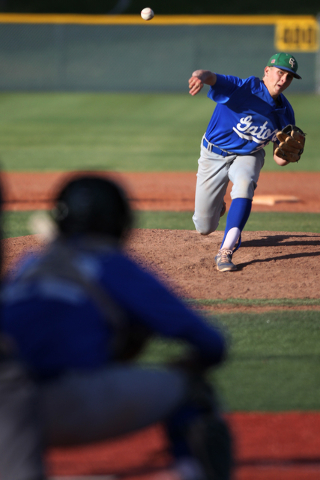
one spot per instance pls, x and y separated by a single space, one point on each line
285 61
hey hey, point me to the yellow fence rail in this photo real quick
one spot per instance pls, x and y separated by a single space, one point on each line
157 20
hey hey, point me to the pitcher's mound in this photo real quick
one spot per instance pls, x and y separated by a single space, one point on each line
270 264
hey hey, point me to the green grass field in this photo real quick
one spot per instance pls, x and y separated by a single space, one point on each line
122 132
16 224
274 357
273 362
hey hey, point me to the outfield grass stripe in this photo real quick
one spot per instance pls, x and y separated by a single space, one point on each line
277 302
72 131
258 221
16 223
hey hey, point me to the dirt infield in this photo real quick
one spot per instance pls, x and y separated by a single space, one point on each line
271 265
166 191
268 262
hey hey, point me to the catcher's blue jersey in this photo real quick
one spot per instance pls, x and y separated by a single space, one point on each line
246 117
56 325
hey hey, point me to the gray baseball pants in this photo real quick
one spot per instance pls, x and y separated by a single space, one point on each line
213 176
79 408
20 433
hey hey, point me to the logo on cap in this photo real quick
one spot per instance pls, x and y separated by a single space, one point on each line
291 61
273 61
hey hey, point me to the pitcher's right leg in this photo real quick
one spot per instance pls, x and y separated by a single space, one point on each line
212 182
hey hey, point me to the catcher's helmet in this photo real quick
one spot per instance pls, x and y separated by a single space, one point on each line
92 204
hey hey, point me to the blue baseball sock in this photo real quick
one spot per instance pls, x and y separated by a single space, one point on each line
238 215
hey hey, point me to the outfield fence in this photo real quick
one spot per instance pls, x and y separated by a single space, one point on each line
122 53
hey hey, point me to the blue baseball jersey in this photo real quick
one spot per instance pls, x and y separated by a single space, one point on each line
57 326
246 117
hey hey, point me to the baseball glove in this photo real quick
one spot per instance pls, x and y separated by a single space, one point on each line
292 140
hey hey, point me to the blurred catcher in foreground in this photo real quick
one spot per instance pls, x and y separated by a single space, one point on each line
80 314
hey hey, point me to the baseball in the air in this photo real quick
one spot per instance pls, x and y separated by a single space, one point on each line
147 13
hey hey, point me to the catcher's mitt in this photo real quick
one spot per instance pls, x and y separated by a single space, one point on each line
292 140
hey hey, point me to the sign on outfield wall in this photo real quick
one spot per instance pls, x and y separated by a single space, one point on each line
297 35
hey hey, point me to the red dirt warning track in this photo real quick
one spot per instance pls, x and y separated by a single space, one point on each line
164 190
282 446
